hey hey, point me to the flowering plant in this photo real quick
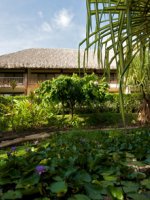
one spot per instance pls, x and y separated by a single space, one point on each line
40 169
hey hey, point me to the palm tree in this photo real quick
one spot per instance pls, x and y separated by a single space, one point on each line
140 82
118 30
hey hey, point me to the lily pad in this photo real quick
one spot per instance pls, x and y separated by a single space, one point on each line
58 187
146 183
11 194
115 193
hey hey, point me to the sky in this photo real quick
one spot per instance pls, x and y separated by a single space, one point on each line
41 24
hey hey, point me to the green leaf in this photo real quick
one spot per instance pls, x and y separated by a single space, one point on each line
105 184
5 181
57 178
79 197
82 176
2 162
130 187
58 187
147 160
138 196
141 175
28 182
94 191
70 171
137 175
146 183
115 193
110 178
11 194
30 191
15 174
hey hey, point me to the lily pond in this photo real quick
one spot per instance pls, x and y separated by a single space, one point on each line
78 165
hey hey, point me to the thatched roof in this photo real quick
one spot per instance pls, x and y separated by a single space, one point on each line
46 58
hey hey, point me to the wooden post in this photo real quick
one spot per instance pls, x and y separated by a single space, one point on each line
25 82
28 80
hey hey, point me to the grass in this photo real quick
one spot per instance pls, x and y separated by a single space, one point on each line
99 120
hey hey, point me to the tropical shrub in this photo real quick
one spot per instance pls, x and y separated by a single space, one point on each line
18 113
63 89
5 112
4 105
26 114
29 114
111 103
34 113
131 103
72 91
67 90
94 89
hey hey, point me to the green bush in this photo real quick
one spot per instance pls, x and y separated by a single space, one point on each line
5 112
29 114
132 102
86 95
112 103
71 91
19 113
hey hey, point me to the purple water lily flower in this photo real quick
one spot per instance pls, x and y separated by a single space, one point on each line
40 169
13 148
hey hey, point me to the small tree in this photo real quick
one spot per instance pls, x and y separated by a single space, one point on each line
70 90
67 90
94 89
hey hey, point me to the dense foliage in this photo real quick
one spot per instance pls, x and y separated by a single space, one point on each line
4 111
19 113
32 112
87 98
78 166
73 90
131 103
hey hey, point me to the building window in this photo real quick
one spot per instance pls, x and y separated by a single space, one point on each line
13 74
7 78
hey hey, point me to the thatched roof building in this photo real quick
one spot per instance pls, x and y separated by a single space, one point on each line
31 66
46 59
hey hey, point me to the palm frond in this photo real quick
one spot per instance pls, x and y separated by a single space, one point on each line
118 30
